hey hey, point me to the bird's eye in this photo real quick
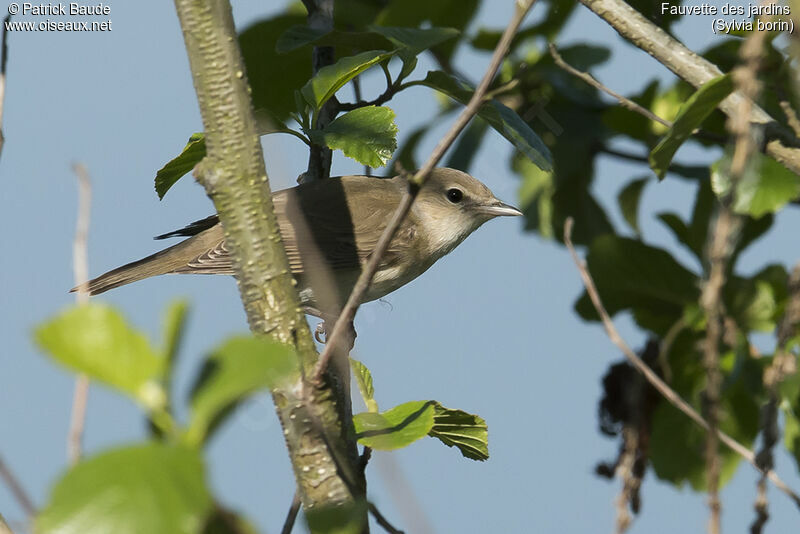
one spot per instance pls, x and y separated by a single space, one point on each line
454 195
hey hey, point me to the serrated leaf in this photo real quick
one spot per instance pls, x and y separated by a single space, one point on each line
324 84
691 115
628 200
96 340
367 135
153 488
501 118
240 367
192 154
364 381
765 187
395 428
457 428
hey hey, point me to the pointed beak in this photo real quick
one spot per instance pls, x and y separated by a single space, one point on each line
499 209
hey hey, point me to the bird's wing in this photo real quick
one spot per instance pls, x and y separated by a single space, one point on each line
316 227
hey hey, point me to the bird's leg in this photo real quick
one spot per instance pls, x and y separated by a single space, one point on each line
322 331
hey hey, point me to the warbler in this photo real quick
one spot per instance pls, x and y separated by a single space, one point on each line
330 227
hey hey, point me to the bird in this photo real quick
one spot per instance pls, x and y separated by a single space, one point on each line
329 228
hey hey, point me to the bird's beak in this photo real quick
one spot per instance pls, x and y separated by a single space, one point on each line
499 209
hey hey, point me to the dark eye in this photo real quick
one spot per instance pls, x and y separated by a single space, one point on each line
454 195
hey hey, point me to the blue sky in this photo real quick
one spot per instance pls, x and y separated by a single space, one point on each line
489 329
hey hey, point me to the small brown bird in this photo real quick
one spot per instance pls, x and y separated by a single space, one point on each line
329 228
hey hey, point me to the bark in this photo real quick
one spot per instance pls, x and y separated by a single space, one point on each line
319 439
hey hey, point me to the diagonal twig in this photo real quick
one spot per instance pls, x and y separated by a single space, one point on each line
415 183
665 390
19 493
80 265
591 80
291 516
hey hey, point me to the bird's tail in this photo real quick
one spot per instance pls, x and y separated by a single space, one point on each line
165 261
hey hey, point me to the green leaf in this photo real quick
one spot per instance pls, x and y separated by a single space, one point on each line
238 368
96 340
456 428
691 115
274 94
368 135
765 187
500 117
628 200
364 381
331 78
153 488
190 156
632 275
395 428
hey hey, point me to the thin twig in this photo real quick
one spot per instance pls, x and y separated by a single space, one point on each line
3 61
291 516
591 80
80 265
19 493
625 102
667 392
382 521
415 183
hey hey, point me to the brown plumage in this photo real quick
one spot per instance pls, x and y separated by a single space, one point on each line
330 227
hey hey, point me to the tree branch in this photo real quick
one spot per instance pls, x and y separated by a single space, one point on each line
323 456
320 17
667 392
781 144
3 62
415 183
80 266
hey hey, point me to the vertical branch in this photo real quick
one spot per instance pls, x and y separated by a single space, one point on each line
80 267
320 17
784 363
721 243
3 61
319 440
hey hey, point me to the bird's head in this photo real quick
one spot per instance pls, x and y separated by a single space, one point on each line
452 204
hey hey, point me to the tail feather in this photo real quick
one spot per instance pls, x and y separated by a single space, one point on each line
166 261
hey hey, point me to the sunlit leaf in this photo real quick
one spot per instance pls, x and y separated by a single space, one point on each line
324 84
190 156
457 428
364 381
153 488
367 134
692 114
765 187
395 428
96 340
